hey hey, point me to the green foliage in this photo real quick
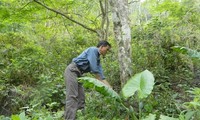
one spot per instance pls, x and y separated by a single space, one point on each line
99 86
184 50
170 23
21 116
193 107
152 41
150 117
142 83
26 62
37 44
106 91
196 103
173 8
99 107
163 117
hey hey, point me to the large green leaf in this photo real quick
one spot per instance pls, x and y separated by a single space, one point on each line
189 114
22 116
150 117
142 83
163 117
15 117
99 87
184 50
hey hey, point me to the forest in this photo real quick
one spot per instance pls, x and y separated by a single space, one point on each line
153 65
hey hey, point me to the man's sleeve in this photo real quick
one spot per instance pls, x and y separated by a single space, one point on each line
101 73
95 65
92 58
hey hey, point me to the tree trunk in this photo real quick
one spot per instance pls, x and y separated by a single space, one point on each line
122 33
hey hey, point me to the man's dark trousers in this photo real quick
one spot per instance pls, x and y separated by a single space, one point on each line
75 97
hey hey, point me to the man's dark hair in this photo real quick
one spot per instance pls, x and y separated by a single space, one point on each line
103 43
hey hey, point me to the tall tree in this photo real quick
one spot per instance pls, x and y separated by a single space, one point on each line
123 37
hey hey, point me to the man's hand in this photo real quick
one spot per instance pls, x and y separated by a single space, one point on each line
103 81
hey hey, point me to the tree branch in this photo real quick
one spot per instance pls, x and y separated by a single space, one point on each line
26 5
134 1
62 14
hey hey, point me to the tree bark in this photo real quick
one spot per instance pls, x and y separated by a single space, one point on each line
122 33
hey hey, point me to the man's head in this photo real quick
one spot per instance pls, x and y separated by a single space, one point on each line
104 47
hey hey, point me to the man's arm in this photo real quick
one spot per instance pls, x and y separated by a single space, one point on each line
106 82
97 76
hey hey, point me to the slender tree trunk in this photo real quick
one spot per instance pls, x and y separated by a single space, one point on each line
123 37
103 32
